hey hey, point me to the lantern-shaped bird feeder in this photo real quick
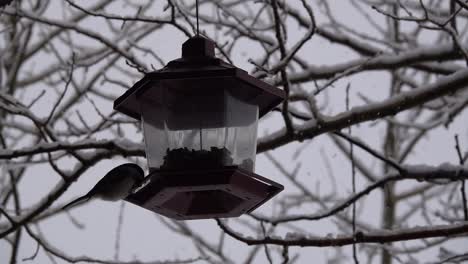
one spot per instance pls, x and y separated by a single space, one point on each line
200 118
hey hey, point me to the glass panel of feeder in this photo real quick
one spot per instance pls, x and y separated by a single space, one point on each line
155 134
241 137
184 125
188 125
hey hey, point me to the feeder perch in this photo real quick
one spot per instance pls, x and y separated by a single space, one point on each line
200 117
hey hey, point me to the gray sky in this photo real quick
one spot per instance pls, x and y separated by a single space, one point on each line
144 237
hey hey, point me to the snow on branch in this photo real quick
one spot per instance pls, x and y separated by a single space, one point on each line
443 174
392 106
123 146
375 236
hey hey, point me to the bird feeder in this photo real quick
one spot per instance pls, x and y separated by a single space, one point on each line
199 116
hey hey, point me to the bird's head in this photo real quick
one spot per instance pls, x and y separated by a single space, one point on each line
134 171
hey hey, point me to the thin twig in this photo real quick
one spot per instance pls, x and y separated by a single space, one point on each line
285 254
265 246
4 213
119 231
371 151
353 178
283 73
462 188
70 78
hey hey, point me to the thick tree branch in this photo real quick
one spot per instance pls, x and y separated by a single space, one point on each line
398 103
377 236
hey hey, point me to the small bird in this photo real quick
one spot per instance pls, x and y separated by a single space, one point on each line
115 185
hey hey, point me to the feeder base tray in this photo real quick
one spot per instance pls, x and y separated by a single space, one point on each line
202 194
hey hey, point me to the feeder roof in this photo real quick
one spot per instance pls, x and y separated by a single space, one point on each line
199 63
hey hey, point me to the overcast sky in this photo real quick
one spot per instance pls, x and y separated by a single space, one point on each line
144 237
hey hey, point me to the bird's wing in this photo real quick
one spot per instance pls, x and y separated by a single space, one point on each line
117 175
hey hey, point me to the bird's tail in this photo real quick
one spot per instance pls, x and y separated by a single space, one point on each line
77 201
